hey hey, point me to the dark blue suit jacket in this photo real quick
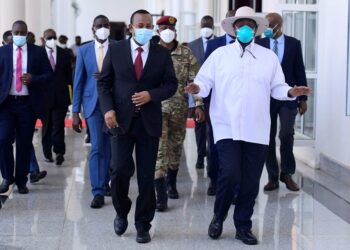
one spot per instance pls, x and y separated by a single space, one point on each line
118 82
292 64
214 44
38 66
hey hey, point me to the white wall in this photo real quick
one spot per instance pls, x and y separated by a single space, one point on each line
332 125
115 10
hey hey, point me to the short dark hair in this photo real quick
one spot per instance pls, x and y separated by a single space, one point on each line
141 11
78 37
98 17
20 22
6 34
208 18
49 30
63 37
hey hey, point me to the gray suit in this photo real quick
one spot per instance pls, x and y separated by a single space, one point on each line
197 49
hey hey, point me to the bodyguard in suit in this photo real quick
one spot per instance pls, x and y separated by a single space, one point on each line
289 53
24 71
199 47
88 67
213 161
57 99
137 75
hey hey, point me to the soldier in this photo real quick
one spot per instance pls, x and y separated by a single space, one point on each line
174 111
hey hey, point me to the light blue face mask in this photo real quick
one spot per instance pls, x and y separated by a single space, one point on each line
19 40
245 34
268 33
143 36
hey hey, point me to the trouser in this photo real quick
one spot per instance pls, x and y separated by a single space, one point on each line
170 144
17 120
123 168
53 131
240 163
213 160
287 119
100 153
201 140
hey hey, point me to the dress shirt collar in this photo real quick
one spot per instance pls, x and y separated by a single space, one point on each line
98 44
134 46
280 40
250 48
49 49
228 38
24 47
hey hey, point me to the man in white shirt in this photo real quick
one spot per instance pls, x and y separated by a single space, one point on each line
242 77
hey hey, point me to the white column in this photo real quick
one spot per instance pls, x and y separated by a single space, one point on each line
10 11
205 7
38 17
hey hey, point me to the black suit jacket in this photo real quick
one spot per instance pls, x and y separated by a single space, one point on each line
58 93
292 64
117 83
38 66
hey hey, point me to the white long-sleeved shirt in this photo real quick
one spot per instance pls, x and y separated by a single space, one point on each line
24 90
242 84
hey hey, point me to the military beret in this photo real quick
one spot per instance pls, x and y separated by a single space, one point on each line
167 20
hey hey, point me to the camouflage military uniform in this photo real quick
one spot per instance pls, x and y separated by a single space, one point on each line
174 111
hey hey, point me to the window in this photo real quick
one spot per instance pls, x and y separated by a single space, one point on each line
299 1
303 26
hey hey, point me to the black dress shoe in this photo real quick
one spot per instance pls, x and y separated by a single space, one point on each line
290 183
108 190
35 177
23 189
215 228
5 185
199 165
48 159
247 237
211 189
143 237
59 159
98 201
271 185
120 225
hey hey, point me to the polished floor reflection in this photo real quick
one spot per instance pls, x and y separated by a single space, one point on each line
56 214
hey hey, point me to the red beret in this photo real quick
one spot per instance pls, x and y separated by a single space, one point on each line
167 20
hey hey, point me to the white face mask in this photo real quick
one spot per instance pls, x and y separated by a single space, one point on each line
62 45
51 43
167 35
206 32
102 33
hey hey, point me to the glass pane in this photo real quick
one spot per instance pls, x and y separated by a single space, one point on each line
299 25
300 1
288 23
311 1
310 41
309 117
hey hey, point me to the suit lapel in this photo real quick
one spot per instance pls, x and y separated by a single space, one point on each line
128 57
286 43
10 54
149 61
93 56
29 58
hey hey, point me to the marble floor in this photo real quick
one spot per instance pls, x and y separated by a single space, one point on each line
56 213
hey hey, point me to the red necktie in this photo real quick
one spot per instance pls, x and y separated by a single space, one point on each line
19 70
138 64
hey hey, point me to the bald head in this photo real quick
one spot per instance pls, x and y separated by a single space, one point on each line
275 23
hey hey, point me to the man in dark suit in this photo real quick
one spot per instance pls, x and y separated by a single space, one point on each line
88 67
198 48
136 76
289 53
213 161
57 99
24 71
